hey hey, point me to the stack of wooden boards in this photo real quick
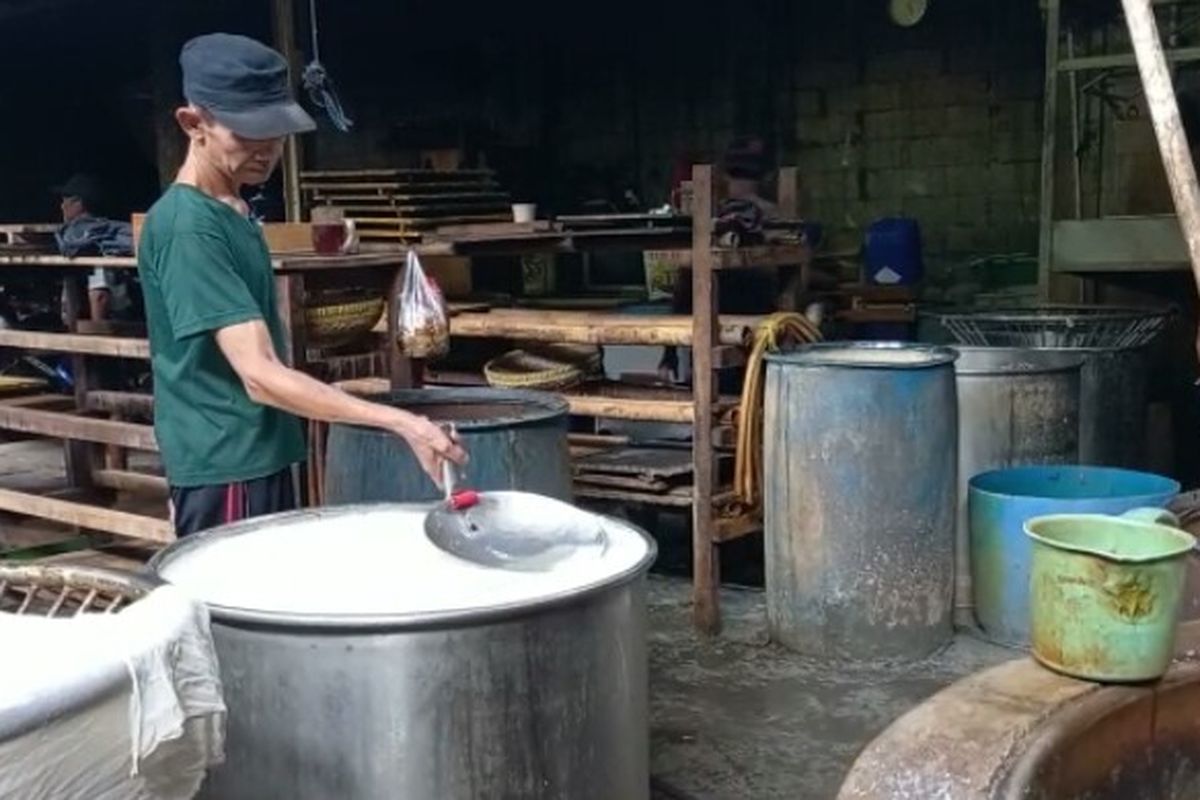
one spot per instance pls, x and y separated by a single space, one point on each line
403 205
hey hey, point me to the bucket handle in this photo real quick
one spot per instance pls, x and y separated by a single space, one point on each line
1155 516
1159 516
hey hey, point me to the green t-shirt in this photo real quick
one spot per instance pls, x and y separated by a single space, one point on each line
203 267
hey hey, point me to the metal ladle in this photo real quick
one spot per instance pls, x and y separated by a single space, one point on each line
511 530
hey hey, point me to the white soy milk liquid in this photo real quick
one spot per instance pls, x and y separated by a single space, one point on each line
376 561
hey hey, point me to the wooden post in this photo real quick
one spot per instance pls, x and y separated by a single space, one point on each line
291 298
706 578
1168 125
1049 150
283 23
81 458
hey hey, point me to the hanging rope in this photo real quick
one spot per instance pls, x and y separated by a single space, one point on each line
776 332
320 86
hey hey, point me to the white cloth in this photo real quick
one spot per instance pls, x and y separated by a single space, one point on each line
110 707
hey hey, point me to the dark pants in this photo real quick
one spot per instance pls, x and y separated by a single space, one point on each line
198 508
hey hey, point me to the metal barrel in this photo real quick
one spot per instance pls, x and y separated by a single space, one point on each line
1114 394
1001 501
515 440
1016 406
859 499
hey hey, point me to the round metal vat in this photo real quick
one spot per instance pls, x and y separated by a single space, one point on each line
516 440
860 465
1016 406
1114 392
998 505
360 661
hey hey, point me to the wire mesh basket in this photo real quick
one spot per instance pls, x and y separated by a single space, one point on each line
49 591
1106 327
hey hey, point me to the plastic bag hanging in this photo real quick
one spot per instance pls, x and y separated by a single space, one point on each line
422 324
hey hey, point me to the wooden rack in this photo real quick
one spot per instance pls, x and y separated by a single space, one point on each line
99 427
717 342
400 205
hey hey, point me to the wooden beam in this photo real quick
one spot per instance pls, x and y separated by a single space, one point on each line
586 327
110 346
132 404
1049 149
127 481
60 425
105 520
1168 125
283 29
706 581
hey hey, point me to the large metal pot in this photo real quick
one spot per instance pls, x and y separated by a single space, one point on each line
1016 407
536 695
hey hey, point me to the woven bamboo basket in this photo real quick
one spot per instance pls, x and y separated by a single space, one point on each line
337 324
543 366
50 591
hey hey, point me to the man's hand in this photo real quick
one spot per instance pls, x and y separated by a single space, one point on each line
431 445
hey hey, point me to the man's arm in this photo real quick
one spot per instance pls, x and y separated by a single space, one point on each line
248 347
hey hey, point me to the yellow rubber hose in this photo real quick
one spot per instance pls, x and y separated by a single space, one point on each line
776 332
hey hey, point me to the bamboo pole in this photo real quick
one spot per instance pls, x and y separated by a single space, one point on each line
590 328
1168 125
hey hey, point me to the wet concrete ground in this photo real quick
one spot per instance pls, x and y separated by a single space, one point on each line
737 717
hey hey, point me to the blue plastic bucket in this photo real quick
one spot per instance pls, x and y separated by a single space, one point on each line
999 504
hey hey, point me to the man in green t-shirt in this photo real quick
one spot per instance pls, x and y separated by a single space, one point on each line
226 409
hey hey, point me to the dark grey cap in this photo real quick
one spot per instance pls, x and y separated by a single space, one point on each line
85 187
243 84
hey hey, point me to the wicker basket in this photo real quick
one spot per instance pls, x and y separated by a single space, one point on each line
67 591
337 324
543 366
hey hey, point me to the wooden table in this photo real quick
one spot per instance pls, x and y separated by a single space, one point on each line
103 425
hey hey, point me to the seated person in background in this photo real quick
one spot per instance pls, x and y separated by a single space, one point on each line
83 233
741 213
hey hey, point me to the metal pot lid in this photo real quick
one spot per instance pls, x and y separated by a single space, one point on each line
373 565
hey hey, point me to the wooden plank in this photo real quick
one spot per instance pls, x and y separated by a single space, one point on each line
60 425
126 481
706 581
679 498
495 228
110 328
45 402
588 327
648 461
413 201
621 482
134 404
110 346
388 172
372 224
104 520
406 187
755 257
680 411
726 529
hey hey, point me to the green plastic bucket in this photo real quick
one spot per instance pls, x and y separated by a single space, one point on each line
1105 593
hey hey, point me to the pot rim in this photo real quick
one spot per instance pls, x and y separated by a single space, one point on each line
532 406
374 621
1170 486
1185 542
823 354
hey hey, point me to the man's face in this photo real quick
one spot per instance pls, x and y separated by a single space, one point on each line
244 161
72 208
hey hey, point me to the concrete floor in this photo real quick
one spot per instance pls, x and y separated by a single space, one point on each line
732 718
737 717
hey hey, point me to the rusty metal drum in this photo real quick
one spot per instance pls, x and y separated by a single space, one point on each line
860 463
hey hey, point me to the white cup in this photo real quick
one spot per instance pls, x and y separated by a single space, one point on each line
524 212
